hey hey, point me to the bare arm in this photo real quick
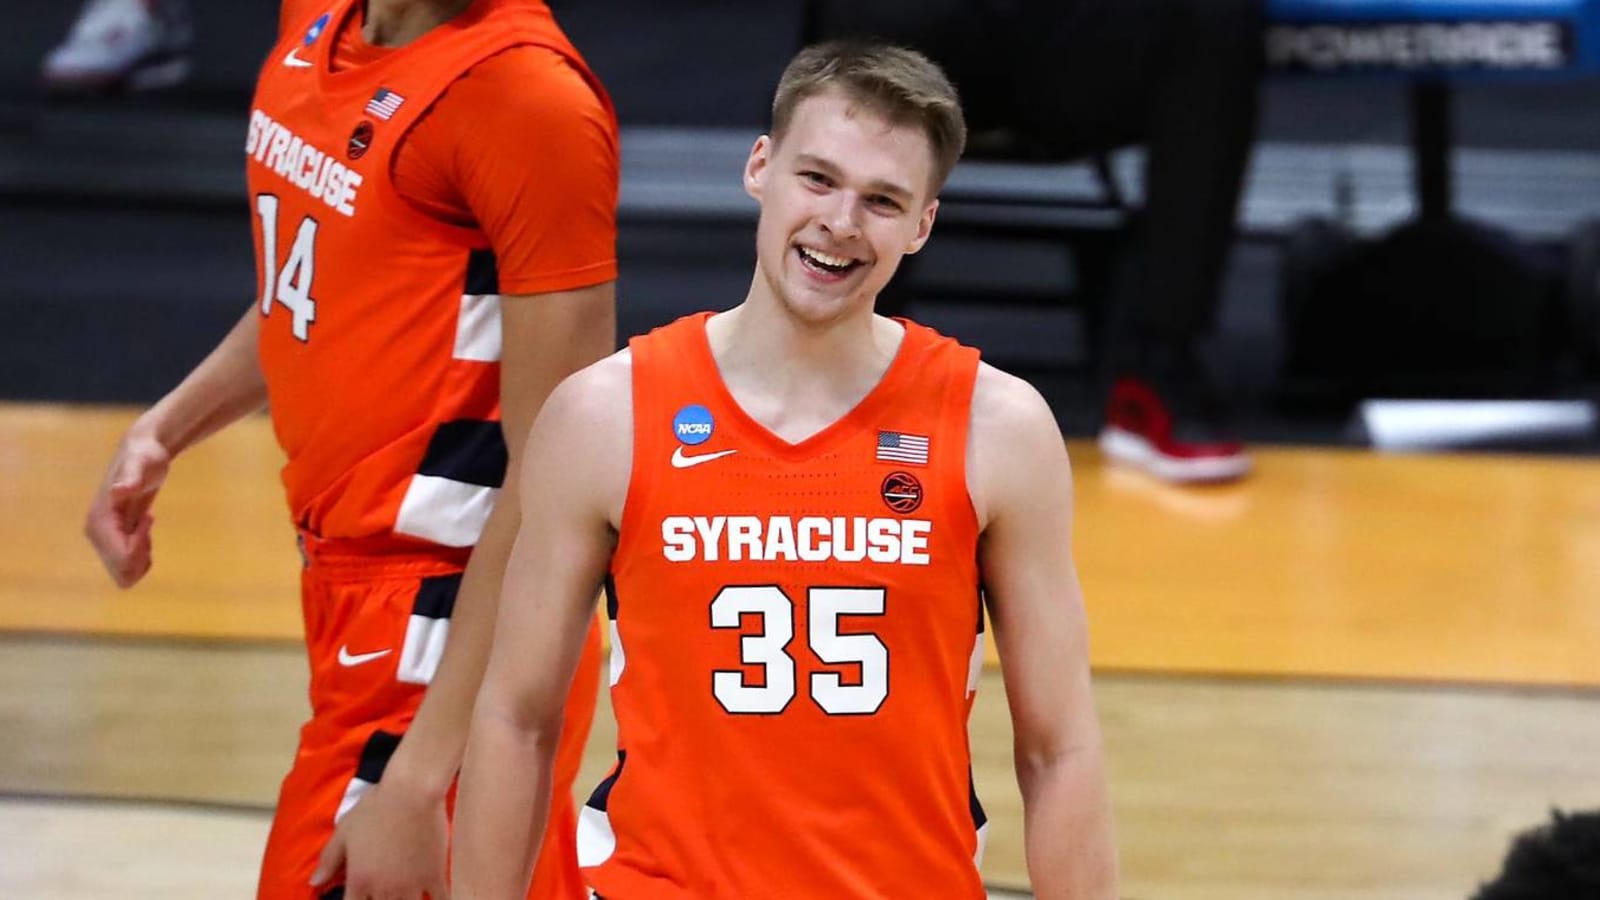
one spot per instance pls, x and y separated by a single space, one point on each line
574 481
223 388
1022 486
544 338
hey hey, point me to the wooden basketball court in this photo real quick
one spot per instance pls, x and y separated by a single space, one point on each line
1352 676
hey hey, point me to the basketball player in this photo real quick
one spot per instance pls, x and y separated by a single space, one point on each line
798 510
392 145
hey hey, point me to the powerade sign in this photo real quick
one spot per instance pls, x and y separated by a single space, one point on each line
1427 35
693 425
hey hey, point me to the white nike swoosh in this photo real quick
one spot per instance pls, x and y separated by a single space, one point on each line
294 61
347 659
682 460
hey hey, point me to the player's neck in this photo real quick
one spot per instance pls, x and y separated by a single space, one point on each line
763 349
395 23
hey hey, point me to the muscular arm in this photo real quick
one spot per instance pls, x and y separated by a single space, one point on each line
224 387
574 482
394 839
1022 486
544 339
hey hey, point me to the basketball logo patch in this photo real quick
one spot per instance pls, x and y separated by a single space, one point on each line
360 140
902 492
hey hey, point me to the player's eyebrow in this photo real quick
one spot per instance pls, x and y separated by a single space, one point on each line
876 185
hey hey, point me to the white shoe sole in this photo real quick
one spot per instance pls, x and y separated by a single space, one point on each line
1131 449
149 77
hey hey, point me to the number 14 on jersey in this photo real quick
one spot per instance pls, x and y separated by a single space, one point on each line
290 284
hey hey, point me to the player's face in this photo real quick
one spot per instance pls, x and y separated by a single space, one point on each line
843 197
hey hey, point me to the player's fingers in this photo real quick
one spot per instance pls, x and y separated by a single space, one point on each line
111 542
131 500
329 863
139 555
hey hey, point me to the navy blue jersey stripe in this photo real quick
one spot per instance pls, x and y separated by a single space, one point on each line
436 596
483 275
469 450
375 756
602 793
979 818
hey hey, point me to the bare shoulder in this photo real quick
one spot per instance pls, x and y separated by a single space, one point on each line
587 421
1014 443
600 395
1003 401
1008 412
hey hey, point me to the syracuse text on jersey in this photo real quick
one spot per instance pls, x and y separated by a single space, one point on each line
844 539
301 163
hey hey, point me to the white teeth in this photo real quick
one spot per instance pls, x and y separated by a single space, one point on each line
837 262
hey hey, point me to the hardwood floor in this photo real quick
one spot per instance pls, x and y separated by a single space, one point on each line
1231 789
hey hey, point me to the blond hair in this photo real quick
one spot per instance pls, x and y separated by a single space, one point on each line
898 83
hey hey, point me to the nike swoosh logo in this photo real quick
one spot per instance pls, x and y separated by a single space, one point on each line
682 460
293 60
348 659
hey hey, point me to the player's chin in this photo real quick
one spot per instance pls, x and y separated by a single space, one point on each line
847 306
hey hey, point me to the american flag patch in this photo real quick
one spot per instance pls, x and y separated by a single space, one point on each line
897 446
384 104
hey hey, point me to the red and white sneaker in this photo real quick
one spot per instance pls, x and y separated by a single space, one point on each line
133 45
1177 434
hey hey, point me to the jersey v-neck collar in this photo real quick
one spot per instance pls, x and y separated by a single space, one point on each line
863 415
369 56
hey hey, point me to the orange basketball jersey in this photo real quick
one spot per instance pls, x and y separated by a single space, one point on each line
380 335
796 642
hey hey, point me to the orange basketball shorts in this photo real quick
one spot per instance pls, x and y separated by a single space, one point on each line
375 629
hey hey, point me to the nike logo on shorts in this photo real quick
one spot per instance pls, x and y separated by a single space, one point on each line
348 659
292 60
682 460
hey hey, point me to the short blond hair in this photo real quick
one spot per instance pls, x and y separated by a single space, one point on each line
898 83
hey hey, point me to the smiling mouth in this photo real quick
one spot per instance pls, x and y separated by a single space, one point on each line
826 262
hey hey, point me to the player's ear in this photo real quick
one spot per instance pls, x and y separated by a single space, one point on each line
924 227
756 167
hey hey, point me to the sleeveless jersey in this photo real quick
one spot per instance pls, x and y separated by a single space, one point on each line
380 331
796 642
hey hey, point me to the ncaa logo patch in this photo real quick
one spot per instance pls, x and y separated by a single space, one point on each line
315 31
902 492
693 425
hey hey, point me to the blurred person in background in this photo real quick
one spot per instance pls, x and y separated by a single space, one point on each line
1070 78
121 45
433 188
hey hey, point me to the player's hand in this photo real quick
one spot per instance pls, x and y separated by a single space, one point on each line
391 845
119 520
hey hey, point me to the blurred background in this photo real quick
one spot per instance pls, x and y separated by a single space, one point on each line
1354 671
149 187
